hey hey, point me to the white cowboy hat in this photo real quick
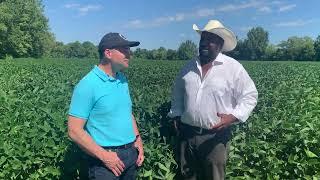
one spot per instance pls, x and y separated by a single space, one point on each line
215 27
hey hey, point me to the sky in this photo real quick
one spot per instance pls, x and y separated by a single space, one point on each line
168 23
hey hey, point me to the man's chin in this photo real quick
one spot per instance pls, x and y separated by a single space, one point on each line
204 60
124 66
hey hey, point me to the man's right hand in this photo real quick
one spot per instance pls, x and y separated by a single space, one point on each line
176 125
113 162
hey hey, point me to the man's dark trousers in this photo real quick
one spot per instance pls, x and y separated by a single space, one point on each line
98 171
202 154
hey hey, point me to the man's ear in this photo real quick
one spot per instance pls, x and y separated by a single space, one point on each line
107 53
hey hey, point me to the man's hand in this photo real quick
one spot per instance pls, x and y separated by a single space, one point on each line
176 124
138 144
226 120
113 162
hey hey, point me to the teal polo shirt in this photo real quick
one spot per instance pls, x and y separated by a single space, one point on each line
104 103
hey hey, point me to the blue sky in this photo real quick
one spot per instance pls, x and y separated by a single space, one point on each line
167 23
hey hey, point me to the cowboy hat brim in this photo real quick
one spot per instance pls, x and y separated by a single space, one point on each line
230 41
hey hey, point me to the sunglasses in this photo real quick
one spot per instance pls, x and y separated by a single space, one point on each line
123 50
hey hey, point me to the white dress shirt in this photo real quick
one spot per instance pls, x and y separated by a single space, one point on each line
226 88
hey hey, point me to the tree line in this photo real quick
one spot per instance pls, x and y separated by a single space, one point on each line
24 32
254 47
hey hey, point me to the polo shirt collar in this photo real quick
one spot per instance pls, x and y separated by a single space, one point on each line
102 75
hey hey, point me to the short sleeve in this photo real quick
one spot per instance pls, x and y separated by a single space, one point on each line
82 101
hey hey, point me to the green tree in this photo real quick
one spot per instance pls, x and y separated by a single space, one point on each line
317 48
240 52
58 50
172 54
152 54
187 50
161 54
256 43
75 50
271 53
90 50
296 48
24 30
140 53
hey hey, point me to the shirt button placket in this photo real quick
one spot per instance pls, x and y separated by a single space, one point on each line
199 94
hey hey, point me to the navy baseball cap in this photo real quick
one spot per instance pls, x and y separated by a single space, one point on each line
114 40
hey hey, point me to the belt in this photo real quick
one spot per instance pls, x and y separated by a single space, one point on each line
125 146
197 130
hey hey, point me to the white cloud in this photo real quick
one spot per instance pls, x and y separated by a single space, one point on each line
277 2
287 7
83 9
88 8
73 5
159 21
204 12
180 17
182 35
294 23
254 18
259 6
163 20
235 7
265 9
134 24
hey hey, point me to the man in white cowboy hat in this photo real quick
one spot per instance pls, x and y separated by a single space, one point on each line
211 92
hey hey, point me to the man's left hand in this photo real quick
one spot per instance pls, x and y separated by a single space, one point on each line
138 144
226 120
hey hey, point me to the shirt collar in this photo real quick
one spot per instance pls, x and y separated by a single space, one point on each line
102 75
218 59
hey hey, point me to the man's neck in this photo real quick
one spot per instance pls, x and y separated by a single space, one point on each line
209 63
107 68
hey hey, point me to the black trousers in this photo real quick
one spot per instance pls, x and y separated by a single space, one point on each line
202 155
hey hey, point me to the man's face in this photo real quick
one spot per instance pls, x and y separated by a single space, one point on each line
209 47
119 57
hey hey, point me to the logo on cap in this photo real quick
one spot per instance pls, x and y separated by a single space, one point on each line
122 36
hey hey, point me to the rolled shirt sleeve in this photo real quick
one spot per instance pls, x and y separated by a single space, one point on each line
246 95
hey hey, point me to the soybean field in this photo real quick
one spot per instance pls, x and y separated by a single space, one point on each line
280 140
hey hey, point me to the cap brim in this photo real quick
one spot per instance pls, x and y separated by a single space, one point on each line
126 44
133 43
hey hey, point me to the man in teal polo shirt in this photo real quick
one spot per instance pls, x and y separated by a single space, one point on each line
100 116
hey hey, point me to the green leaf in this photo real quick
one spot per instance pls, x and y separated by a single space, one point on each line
147 173
310 154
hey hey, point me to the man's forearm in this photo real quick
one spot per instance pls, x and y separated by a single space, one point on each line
85 142
135 127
